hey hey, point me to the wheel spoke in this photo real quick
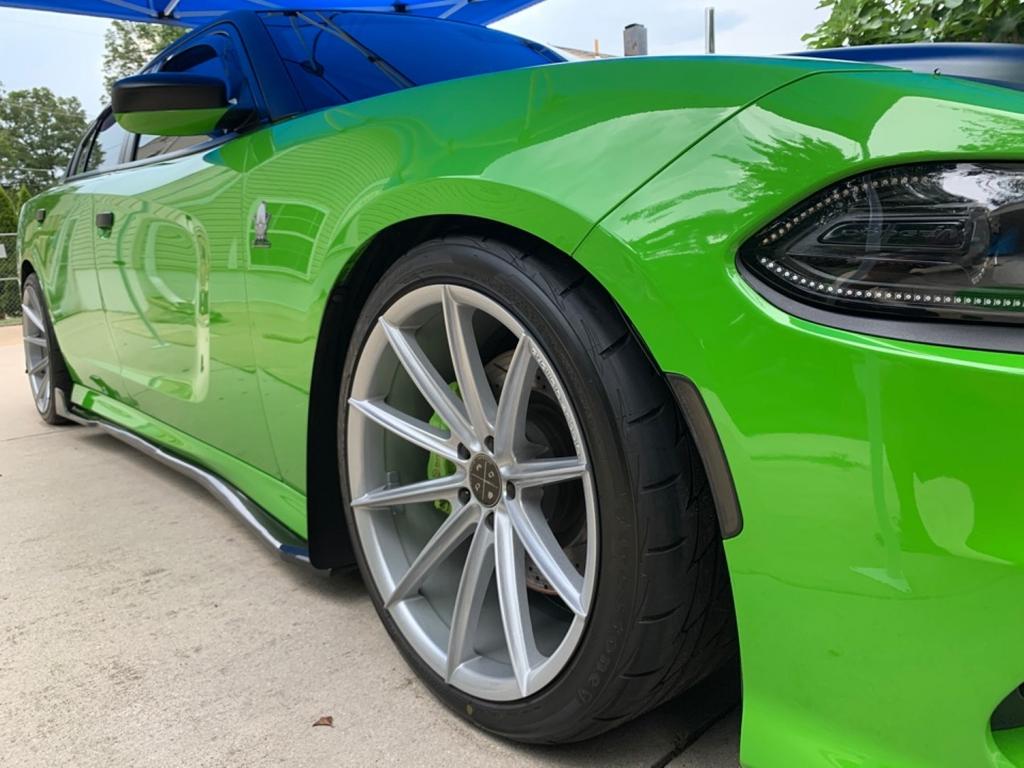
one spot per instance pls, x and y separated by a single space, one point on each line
442 488
510 422
36 341
487 597
428 381
44 385
453 531
407 427
476 576
547 554
529 474
40 365
33 317
469 367
510 571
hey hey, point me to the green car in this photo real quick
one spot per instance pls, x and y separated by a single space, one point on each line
607 375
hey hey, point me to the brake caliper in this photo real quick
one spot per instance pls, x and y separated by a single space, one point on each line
438 466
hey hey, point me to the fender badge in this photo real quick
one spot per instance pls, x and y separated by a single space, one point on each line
260 222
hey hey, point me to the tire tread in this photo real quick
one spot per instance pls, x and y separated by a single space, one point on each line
684 624
675 648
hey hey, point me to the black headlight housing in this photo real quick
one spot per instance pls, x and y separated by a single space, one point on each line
928 242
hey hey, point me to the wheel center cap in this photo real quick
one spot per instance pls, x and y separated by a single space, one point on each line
485 480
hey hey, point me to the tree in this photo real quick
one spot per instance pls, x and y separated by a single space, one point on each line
875 22
38 134
8 210
129 46
10 300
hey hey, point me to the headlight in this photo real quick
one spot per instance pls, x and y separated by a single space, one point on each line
924 242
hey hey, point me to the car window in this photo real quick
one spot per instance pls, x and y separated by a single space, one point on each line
431 51
324 68
213 55
105 151
338 57
77 164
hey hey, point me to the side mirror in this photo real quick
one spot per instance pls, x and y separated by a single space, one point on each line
170 104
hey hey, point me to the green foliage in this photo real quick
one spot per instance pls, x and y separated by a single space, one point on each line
130 46
24 195
874 22
38 134
10 300
9 208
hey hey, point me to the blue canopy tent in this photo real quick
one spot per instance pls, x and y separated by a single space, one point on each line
195 13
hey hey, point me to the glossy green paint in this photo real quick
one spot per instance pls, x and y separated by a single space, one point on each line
172 122
60 250
177 313
153 312
532 149
879 573
1011 743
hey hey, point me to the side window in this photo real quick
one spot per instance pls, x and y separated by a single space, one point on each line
105 152
77 164
213 55
326 65
432 51
335 57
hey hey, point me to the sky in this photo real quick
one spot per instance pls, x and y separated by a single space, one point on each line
63 52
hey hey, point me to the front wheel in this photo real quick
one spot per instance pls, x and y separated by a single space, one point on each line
530 518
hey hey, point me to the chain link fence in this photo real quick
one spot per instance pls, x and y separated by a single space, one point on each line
10 290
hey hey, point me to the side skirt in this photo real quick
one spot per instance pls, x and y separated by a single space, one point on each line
288 545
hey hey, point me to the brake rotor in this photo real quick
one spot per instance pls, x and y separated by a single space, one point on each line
548 435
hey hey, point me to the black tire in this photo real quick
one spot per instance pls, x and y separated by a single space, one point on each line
59 376
662 617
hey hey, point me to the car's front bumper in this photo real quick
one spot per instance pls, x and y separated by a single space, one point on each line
879 577
879 574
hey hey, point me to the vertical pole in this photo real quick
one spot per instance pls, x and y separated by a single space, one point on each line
709 29
634 39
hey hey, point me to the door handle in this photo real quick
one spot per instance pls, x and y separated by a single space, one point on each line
105 220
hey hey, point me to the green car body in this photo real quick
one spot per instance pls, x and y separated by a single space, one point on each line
878 574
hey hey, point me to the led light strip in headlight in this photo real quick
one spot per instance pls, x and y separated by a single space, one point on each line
927 242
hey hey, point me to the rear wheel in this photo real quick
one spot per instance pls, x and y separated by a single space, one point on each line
43 361
532 523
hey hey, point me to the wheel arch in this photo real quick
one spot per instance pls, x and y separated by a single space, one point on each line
329 542
25 270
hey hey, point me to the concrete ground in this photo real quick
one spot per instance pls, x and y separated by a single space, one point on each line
142 625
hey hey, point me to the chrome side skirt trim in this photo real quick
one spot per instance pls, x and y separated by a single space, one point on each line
288 545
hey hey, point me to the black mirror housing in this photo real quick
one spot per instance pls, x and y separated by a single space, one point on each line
170 104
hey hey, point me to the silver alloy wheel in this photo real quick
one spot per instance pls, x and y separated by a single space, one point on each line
449 555
37 348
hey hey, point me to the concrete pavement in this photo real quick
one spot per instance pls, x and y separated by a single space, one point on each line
142 625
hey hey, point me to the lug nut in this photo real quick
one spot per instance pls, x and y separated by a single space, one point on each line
463 452
464 495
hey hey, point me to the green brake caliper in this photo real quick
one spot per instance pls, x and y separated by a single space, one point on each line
438 466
